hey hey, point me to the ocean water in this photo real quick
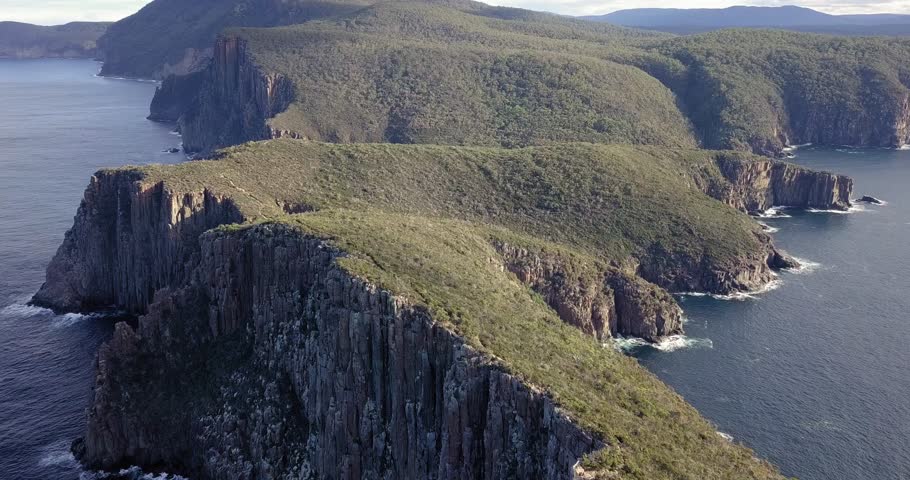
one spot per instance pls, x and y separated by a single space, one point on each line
812 375
815 374
58 125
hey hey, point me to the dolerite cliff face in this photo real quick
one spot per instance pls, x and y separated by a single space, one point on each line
174 94
756 186
129 239
310 373
882 122
608 304
236 96
258 357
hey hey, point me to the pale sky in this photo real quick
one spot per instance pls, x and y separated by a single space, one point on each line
52 12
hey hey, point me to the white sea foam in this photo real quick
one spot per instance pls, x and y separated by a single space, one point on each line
679 342
57 455
725 436
774 212
667 344
852 209
134 473
805 266
753 295
739 296
23 310
69 319
904 147
768 228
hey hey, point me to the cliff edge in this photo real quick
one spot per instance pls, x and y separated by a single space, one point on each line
303 316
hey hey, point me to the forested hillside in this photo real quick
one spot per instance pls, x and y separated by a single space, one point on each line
765 89
472 74
73 40
176 36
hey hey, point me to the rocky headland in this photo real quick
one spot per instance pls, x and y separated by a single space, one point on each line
725 90
303 316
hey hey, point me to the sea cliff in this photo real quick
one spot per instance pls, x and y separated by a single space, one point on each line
331 343
227 104
387 391
756 186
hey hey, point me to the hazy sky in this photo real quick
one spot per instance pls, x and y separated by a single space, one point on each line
49 12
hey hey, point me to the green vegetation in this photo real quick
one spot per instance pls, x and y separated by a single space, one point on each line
431 74
176 36
468 74
418 220
612 201
759 89
73 40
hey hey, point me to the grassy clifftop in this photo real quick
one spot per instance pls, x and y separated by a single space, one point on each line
421 222
612 201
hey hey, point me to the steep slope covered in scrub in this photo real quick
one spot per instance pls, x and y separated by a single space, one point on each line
433 73
175 37
369 311
378 76
763 90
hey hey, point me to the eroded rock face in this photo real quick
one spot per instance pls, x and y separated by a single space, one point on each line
234 103
174 95
759 185
257 357
129 239
310 373
607 304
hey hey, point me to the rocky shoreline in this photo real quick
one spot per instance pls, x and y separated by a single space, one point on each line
225 311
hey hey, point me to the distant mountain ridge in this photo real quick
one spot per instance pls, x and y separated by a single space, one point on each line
695 20
73 40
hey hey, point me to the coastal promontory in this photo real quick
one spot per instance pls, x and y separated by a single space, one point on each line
312 310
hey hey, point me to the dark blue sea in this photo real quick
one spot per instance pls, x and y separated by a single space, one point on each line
813 375
59 123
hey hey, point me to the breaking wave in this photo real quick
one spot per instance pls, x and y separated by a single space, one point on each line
774 212
58 455
852 209
751 295
70 319
24 310
768 228
805 266
725 436
132 473
668 344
